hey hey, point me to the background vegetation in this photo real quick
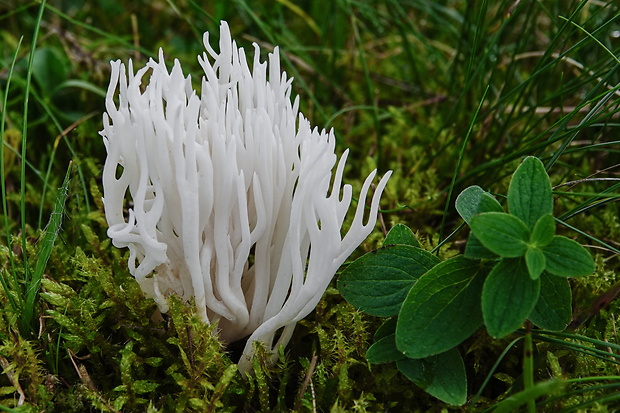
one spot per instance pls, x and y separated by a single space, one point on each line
400 81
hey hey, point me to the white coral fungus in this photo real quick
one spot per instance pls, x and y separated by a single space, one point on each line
230 193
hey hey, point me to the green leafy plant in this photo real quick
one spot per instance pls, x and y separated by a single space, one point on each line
514 269
528 279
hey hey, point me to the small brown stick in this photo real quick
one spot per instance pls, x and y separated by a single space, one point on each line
8 370
87 381
304 386
81 372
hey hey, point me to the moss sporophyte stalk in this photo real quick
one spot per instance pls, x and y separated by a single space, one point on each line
231 205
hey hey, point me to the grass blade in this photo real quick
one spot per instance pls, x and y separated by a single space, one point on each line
523 397
47 244
22 189
5 211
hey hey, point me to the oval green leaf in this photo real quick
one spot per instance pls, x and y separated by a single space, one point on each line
378 282
401 234
442 376
501 233
475 200
508 297
442 309
535 260
388 327
474 250
567 258
543 231
384 351
554 306
50 69
529 192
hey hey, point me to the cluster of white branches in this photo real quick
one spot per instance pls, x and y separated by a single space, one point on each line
230 201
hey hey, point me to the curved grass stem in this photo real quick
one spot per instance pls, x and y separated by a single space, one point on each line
528 367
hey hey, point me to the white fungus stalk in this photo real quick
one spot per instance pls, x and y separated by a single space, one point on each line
230 188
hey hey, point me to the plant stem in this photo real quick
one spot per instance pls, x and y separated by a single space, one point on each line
528 366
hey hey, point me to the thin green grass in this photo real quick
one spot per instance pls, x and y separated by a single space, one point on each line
22 188
528 396
6 409
45 250
494 368
606 393
24 304
3 275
